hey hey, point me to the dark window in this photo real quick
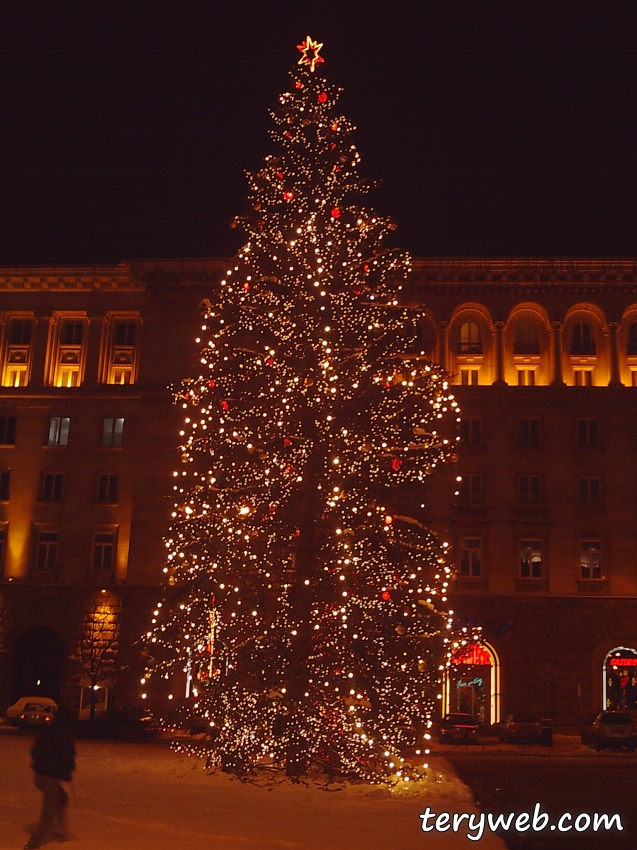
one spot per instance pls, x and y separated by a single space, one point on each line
526 377
470 377
47 550
530 559
591 559
5 477
590 492
20 333
7 430
587 433
106 488
58 431
470 431
530 489
125 333
470 338
526 338
103 551
51 487
582 339
471 489
471 557
583 377
529 433
113 432
72 333
3 540
632 339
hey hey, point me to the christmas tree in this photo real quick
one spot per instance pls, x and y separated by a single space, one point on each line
307 604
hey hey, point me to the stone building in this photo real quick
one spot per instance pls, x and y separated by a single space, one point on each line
544 355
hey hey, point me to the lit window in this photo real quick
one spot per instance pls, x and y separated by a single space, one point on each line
591 559
583 377
469 377
51 487
113 432
106 488
589 492
58 431
470 339
526 377
471 557
18 353
530 559
121 367
103 551
47 552
7 430
632 339
69 355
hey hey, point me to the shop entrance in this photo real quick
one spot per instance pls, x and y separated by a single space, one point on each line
472 683
620 679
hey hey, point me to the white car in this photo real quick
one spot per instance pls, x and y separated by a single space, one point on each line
32 711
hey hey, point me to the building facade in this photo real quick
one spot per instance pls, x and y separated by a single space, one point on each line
542 523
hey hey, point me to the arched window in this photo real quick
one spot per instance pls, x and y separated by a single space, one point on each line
632 339
472 683
582 339
526 338
620 679
470 339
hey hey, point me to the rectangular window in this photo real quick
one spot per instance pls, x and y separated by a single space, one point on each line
591 559
20 332
583 377
58 431
113 432
530 559
529 433
587 433
589 492
124 333
469 377
18 353
526 377
51 487
47 554
103 551
121 367
3 542
471 557
5 477
7 430
72 333
530 489
470 431
106 489
471 489
633 377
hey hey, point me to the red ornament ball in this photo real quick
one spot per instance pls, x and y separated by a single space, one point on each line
336 212
279 174
288 196
396 463
224 404
246 285
211 384
334 127
298 84
322 98
287 441
386 595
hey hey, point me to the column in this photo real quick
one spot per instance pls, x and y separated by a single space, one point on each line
558 380
615 380
443 344
499 354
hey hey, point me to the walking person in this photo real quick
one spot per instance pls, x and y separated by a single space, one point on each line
53 762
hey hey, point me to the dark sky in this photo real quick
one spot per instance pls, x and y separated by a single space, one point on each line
497 128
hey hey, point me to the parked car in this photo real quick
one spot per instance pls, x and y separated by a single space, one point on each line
612 729
458 728
518 729
31 711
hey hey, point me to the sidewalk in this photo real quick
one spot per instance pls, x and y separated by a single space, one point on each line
145 797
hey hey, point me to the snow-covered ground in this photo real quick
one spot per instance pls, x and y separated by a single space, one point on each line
145 797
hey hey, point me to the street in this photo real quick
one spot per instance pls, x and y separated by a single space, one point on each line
569 779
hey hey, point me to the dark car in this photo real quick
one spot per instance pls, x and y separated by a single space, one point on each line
133 725
458 728
518 729
611 729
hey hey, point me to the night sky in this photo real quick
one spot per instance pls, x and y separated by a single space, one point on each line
496 129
